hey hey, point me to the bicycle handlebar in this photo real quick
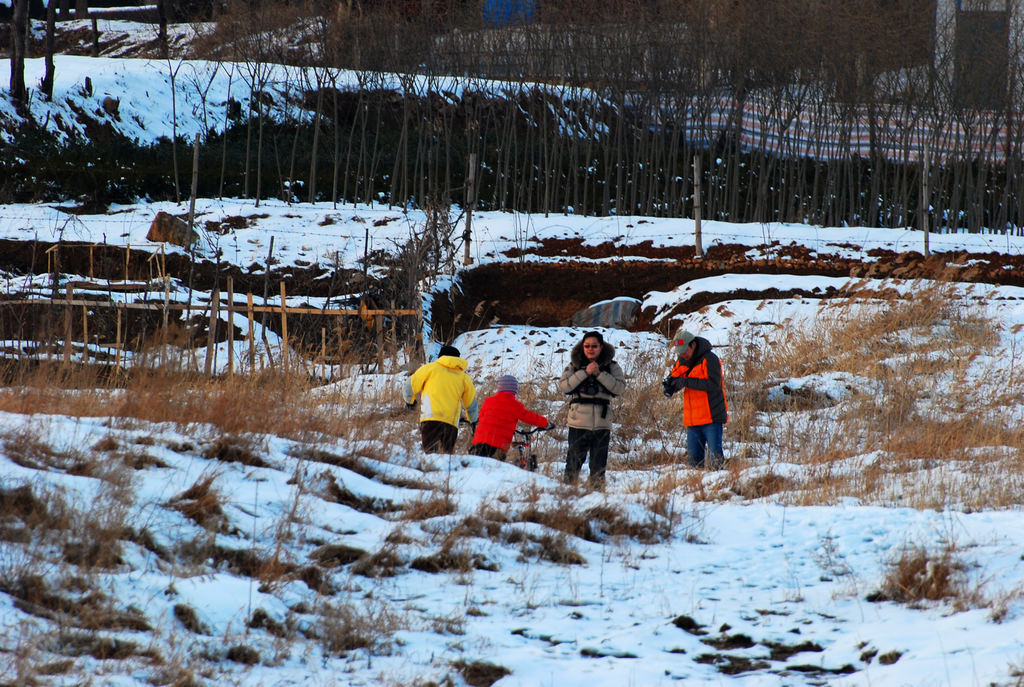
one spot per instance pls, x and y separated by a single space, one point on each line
533 430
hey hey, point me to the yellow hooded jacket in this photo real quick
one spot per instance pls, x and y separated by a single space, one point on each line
444 389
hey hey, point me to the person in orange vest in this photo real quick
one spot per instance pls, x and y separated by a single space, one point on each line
446 393
499 415
698 372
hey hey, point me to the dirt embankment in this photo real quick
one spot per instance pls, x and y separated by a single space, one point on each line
549 293
571 277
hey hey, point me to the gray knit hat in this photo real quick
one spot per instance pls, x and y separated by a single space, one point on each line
508 383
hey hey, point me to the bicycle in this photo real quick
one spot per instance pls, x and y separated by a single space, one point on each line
522 444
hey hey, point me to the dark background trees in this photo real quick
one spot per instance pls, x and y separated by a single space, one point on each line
816 112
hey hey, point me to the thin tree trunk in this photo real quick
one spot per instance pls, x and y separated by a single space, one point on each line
51 29
315 145
19 22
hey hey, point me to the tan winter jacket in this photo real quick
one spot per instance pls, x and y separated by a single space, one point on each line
590 397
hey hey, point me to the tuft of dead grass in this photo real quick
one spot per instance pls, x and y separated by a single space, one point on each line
481 673
346 627
453 559
231 448
429 506
916 575
202 504
383 563
22 511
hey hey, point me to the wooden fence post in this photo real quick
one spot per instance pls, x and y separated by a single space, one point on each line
378 323
467 235
925 198
252 332
67 324
231 326
698 246
85 334
284 330
211 335
117 341
323 352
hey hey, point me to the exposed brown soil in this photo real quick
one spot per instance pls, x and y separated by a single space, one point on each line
521 291
549 293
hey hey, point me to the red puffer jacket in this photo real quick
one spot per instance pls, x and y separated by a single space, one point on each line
499 416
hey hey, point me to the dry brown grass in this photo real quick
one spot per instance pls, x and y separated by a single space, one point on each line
919 393
202 504
916 575
346 627
916 395
429 505
926 418
481 673
26 509
270 402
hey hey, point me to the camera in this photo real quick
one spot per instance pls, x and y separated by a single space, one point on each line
591 387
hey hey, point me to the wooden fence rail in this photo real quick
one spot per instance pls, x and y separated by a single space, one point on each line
178 306
216 306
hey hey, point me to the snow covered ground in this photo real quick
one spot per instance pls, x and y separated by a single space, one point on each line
744 592
641 585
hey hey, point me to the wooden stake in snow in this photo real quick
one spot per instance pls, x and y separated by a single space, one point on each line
467 259
231 326
252 332
211 335
698 248
925 194
284 330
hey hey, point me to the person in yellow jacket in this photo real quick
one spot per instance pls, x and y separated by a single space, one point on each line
698 372
446 392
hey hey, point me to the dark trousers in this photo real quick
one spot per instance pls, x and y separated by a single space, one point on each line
709 436
586 441
487 451
438 437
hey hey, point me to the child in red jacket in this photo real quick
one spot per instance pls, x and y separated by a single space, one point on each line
498 418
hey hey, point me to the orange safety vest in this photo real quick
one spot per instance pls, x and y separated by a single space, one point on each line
698 404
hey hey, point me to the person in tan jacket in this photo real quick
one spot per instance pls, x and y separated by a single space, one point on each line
591 380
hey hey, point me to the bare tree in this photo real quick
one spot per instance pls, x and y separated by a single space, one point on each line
51 19
19 23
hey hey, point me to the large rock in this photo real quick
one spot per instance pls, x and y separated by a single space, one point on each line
619 313
166 228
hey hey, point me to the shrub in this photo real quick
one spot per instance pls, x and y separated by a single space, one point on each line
916 575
